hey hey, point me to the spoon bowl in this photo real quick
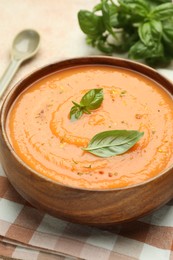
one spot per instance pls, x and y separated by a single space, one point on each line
25 46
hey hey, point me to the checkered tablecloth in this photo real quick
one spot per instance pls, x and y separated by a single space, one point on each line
27 233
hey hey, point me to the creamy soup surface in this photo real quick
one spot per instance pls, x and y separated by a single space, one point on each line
43 136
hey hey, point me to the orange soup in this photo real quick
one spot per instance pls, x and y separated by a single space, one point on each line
43 136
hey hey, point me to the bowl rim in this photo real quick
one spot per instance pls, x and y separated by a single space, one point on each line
8 96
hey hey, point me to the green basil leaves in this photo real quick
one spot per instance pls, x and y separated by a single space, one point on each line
91 23
150 33
163 12
138 27
114 142
108 143
90 101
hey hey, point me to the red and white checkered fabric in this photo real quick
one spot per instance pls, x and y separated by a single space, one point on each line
27 233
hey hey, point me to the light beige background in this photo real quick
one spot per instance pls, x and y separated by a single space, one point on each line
55 20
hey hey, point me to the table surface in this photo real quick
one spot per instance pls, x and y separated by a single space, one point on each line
26 233
56 21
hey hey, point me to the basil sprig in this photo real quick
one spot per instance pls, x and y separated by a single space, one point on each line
114 142
141 28
90 101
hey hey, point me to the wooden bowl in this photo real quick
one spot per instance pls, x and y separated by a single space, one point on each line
92 207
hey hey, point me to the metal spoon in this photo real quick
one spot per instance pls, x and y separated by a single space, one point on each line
25 46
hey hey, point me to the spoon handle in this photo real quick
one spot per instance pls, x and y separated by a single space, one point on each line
8 75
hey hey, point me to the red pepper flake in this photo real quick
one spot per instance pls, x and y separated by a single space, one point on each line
101 172
138 116
80 173
110 174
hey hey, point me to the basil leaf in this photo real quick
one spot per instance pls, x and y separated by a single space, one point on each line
114 142
163 11
157 50
92 99
168 37
168 32
91 41
90 23
159 61
157 57
109 14
97 7
162 1
150 32
139 51
113 10
76 104
75 113
136 8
